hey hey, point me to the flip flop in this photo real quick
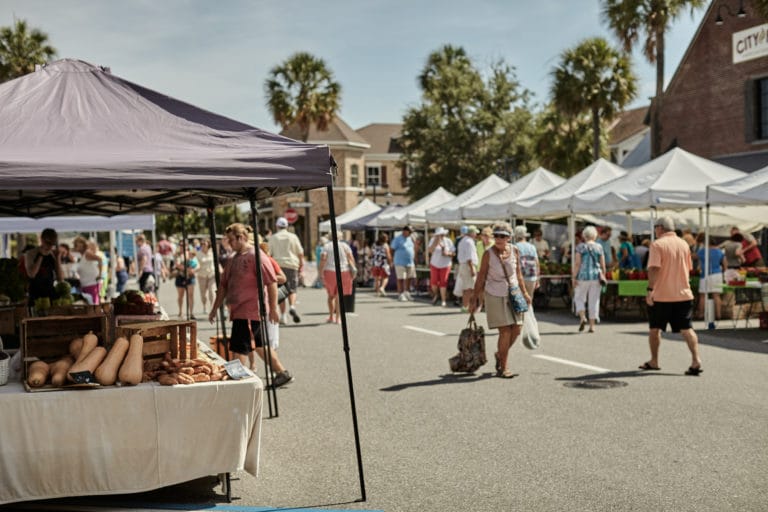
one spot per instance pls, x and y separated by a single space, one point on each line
647 366
507 374
694 371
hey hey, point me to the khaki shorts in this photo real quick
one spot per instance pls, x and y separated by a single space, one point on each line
499 313
408 272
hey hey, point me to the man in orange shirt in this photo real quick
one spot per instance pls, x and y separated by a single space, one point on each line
669 297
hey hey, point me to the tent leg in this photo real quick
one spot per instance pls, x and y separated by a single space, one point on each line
184 248
345 338
271 390
217 274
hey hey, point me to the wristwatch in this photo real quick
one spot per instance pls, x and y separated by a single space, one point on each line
650 289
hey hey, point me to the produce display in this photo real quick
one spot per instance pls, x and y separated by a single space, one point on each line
134 302
183 371
86 362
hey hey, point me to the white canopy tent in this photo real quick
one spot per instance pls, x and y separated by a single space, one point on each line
413 213
557 202
450 213
497 205
751 189
84 223
675 180
363 209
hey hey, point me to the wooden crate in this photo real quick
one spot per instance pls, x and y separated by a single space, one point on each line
47 338
177 337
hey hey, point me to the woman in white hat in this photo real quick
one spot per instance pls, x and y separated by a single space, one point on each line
442 250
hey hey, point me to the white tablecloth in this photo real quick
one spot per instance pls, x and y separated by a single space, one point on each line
122 440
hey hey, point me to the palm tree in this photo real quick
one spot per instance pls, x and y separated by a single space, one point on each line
21 50
302 90
593 77
628 18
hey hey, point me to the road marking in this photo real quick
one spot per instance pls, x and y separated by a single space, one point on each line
425 331
351 314
573 363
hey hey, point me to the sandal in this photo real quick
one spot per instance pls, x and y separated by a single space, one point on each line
647 366
329 320
506 374
694 371
582 324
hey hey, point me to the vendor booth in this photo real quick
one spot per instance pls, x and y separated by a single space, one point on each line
111 147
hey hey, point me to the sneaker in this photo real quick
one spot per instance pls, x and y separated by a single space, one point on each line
282 378
402 298
383 291
294 315
408 296
283 319
443 304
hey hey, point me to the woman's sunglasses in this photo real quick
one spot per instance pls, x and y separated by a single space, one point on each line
500 235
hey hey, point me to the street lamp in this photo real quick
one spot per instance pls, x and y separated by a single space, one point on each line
372 183
741 13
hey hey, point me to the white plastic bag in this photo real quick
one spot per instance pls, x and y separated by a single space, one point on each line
273 331
530 333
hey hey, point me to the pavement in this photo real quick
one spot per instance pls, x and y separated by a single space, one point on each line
553 438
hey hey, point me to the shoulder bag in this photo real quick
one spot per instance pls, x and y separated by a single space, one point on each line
516 299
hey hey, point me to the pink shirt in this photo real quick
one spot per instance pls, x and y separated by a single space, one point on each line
672 257
496 283
239 279
145 256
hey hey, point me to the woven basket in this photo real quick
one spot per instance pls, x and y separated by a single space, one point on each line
5 363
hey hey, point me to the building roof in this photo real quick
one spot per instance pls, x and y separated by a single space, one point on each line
338 132
382 137
628 123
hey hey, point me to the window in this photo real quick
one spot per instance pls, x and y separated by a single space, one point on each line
761 108
354 175
373 174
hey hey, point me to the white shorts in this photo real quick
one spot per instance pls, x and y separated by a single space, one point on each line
713 284
465 281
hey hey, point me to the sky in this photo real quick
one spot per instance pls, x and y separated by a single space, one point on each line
218 54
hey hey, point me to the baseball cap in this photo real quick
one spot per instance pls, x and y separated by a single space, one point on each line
464 230
472 229
281 222
441 231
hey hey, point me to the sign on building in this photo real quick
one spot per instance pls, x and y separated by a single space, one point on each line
751 43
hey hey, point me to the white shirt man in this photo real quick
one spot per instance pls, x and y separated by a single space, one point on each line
468 264
286 249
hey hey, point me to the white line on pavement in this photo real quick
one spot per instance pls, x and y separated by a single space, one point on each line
426 331
572 363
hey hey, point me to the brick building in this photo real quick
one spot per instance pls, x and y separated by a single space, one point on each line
716 104
367 167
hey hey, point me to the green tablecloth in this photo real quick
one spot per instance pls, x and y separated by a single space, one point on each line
634 288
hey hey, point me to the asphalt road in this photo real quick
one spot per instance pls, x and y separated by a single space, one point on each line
432 441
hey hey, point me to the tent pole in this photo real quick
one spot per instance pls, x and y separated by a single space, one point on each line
184 246
652 218
112 287
707 318
345 339
217 275
271 389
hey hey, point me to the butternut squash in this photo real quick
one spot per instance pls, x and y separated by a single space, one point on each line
37 374
60 369
132 369
75 346
106 373
89 343
89 362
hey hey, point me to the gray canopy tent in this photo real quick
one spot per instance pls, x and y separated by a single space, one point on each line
78 140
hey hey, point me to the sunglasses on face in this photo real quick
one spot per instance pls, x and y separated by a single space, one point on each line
500 235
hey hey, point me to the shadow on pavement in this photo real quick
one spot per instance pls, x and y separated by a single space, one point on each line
620 375
447 378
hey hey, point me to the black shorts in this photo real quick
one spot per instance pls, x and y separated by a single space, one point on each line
292 279
240 340
677 314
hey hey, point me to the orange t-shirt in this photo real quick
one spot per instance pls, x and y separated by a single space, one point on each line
672 257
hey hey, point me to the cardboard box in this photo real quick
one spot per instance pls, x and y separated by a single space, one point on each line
178 338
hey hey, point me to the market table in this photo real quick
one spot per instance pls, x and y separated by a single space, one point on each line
125 439
553 286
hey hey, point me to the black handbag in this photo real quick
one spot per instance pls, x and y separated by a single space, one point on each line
516 299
